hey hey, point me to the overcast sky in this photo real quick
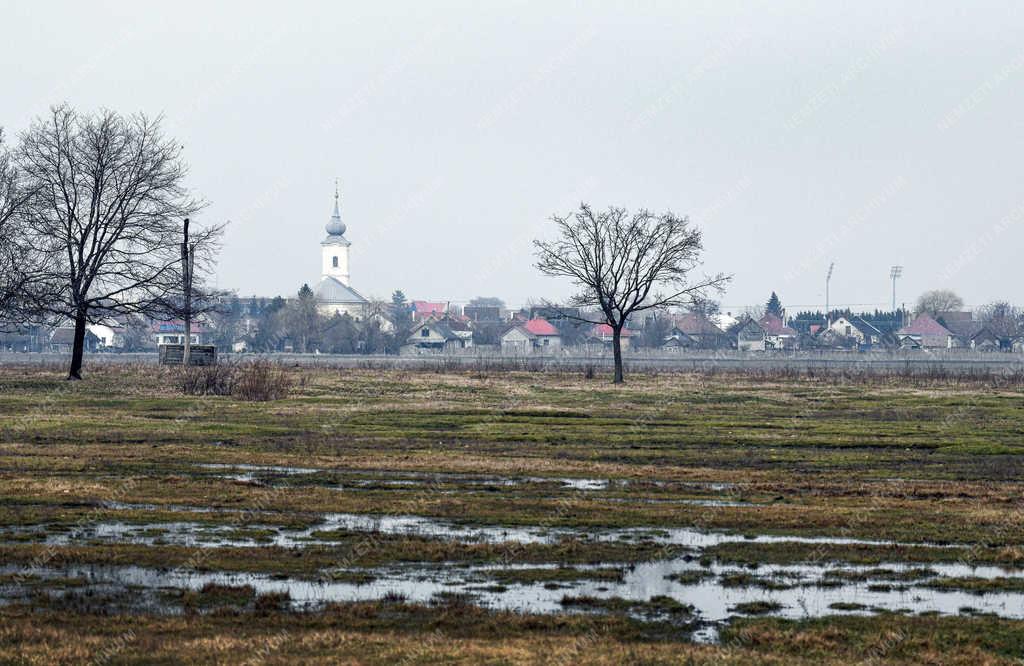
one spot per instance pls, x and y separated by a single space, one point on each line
792 133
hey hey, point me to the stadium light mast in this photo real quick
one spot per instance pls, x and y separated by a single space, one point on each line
828 278
895 274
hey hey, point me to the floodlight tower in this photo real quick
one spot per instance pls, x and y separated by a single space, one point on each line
895 274
828 278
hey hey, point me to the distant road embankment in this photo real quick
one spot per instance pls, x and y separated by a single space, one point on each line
939 363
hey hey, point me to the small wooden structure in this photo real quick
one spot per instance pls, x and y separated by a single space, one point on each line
198 355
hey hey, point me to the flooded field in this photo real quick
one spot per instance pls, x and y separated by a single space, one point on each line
694 521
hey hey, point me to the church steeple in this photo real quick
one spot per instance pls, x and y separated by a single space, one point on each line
335 248
335 227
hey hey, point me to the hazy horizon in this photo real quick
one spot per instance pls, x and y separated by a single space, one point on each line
793 134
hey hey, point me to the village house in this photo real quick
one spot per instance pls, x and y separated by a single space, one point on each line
110 334
535 335
777 335
601 335
924 333
968 333
423 310
61 340
173 332
856 329
437 336
749 334
18 341
984 339
676 340
695 331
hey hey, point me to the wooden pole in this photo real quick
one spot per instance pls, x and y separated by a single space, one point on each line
187 258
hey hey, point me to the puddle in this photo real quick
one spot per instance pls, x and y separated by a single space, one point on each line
251 473
714 597
255 473
420 583
422 526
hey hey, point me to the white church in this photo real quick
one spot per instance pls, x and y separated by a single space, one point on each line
334 293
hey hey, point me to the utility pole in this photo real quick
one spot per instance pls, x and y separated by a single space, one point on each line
894 274
828 278
188 256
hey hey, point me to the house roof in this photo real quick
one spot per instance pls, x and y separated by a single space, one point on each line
66 336
984 333
923 324
865 327
605 329
331 290
439 326
426 308
773 325
457 324
692 323
965 328
540 327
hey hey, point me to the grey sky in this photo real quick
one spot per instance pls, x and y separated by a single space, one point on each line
869 133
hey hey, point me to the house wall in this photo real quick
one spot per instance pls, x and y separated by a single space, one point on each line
432 337
515 342
606 340
751 338
937 341
549 343
106 335
846 329
750 345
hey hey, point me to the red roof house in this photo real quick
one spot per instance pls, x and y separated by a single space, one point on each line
774 326
924 331
540 327
531 336
423 309
602 334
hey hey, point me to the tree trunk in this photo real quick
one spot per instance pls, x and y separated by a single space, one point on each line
78 348
186 356
617 351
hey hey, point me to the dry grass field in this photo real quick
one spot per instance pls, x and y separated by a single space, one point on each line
473 516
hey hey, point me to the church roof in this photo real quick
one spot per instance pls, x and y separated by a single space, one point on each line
331 290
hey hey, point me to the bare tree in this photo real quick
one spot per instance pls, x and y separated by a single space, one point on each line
706 307
937 301
18 258
624 264
108 199
1002 318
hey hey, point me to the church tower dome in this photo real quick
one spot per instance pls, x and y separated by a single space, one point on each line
335 227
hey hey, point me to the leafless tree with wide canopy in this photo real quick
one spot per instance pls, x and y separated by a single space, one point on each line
19 262
626 263
108 201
